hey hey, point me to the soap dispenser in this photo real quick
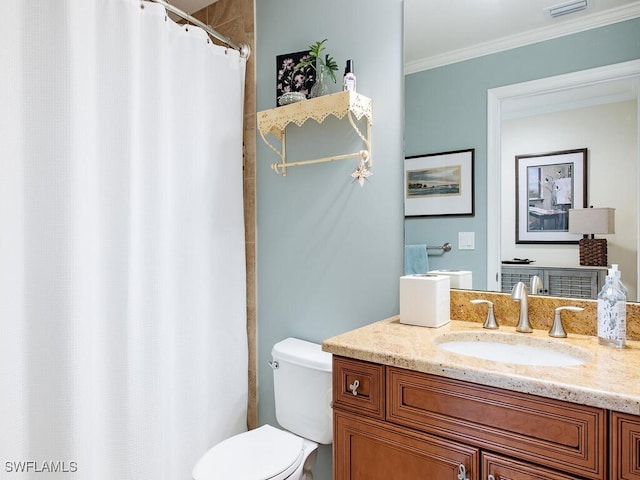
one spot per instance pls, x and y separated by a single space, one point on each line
612 313
618 275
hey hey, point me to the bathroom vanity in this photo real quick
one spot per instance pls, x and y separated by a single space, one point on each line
404 408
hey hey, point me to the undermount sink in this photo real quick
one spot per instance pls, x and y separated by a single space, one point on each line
513 348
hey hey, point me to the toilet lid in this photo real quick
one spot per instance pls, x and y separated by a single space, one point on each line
260 454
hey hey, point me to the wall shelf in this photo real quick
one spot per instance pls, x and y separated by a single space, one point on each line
343 104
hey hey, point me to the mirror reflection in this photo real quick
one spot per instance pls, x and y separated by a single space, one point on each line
599 116
603 119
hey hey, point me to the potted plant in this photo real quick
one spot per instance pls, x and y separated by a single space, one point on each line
323 66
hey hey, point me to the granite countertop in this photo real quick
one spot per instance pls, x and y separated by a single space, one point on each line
609 379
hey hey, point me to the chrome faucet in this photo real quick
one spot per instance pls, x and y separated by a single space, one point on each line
536 285
519 294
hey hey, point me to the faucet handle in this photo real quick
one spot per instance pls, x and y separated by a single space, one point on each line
557 330
490 322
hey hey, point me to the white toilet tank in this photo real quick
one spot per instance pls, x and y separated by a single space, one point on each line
302 388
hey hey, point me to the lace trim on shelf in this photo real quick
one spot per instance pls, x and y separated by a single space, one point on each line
274 121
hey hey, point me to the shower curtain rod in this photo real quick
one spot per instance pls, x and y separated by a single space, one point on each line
243 48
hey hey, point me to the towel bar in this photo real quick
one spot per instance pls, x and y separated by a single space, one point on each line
445 246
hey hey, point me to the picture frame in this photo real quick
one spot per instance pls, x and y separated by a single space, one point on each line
440 184
290 79
547 186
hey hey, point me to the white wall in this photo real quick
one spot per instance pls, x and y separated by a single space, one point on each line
610 133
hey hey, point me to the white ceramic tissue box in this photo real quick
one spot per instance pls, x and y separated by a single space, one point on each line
459 278
424 300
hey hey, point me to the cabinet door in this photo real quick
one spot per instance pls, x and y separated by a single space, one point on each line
625 446
572 283
368 449
496 467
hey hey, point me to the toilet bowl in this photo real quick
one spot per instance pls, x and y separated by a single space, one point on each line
302 389
264 453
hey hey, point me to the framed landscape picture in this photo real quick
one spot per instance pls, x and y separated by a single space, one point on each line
439 184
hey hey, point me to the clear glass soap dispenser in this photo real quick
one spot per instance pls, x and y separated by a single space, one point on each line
612 313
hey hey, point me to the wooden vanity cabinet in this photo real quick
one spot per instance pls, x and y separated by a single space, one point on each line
426 426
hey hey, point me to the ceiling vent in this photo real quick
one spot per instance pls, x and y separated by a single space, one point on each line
567 8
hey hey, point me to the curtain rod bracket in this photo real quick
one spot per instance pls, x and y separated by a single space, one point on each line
245 50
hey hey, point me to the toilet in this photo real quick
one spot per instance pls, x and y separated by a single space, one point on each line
302 389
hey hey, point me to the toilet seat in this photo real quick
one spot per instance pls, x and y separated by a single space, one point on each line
266 453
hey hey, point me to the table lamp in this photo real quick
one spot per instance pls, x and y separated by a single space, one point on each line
589 221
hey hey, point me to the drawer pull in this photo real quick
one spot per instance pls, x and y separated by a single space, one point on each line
354 387
462 475
491 477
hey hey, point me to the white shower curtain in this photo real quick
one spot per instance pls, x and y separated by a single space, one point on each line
123 351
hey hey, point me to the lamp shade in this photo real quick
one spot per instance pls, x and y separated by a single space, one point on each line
588 221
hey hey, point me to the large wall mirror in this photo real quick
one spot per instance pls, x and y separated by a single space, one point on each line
595 109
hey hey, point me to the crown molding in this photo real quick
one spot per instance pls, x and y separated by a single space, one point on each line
587 22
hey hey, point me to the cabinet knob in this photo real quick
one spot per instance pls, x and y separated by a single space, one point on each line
491 477
354 387
462 472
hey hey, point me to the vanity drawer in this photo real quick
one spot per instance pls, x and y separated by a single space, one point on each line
506 468
548 432
358 386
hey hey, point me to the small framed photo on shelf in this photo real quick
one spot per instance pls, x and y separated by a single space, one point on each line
547 186
289 79
439 184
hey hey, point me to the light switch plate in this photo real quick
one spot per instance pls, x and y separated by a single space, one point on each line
466 240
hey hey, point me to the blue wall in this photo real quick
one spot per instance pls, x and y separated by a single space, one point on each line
329 251
446 109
